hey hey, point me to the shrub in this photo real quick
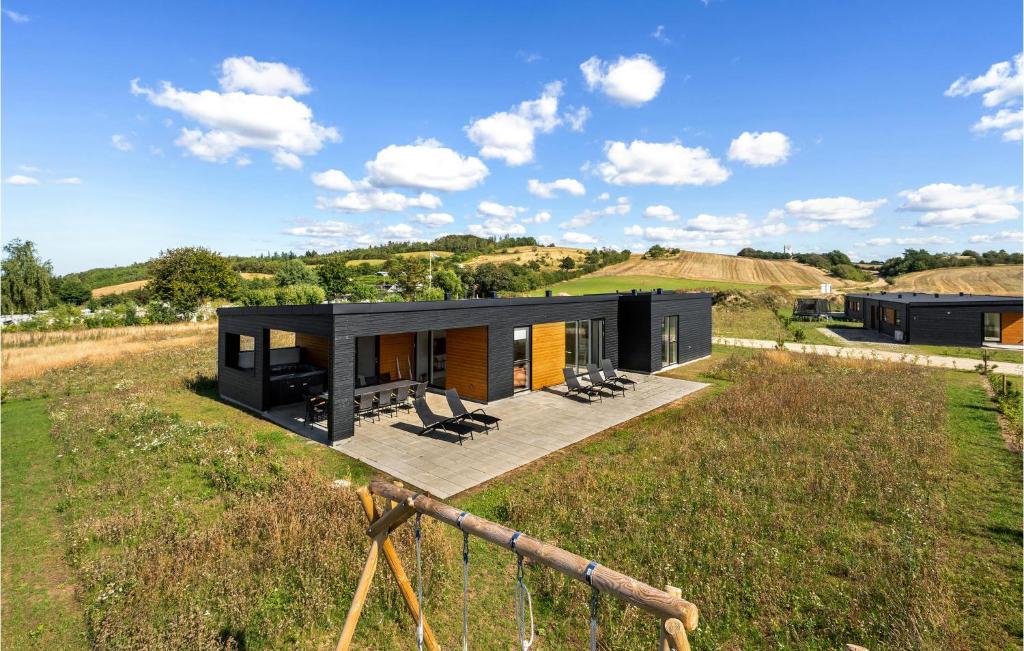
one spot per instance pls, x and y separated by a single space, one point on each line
295 272
257 297
300 295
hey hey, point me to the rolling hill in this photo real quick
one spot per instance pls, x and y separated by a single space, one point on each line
548 256
727 269
122 288
999 279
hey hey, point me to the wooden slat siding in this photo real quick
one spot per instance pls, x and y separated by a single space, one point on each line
1012 327
467 362
315 349
399 346
547 354
951 325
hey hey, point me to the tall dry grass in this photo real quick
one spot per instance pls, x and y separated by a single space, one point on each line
30 354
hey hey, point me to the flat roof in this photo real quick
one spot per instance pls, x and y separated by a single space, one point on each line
937 299
455 304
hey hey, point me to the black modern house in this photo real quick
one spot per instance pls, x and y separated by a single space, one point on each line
487 349
939 319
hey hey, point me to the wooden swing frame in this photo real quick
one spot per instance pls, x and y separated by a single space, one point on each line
677 615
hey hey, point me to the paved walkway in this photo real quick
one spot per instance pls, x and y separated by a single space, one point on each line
533 425
938 361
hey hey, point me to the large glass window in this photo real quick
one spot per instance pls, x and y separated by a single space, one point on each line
670 340
584 343
991 326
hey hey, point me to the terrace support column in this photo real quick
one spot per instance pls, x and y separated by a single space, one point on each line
261 363
340 423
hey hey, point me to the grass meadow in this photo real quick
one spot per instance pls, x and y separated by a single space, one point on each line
141 512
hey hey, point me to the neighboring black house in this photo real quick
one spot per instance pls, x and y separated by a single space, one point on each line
487 349
939 319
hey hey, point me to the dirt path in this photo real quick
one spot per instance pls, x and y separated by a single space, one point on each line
938 361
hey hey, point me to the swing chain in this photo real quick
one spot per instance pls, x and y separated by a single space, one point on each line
419 586
524 604
588 574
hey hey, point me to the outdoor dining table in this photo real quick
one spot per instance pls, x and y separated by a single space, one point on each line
387 386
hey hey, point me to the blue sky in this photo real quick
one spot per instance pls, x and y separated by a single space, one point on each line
867 127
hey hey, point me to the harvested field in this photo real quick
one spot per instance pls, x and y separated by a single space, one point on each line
30 354
999 280
728 268
548 256
120 288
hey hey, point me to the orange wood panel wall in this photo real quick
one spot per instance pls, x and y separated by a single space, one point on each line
315 350
399 346
1012 328
547 355
466 369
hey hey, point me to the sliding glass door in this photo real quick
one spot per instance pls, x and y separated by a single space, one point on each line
584 343
670 340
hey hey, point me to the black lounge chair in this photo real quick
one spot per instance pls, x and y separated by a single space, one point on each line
611 376
598 381
316 410
573 386
433 422
477 415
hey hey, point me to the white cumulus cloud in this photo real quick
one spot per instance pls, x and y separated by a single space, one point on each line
235 120
510 135
588 217
68 180
1001 85
542 217
664 213
953 206
631 81
333 180
660 163
21 179
760 149
435 219
261 77
426 164
847 211
1012 237
399 232
375 200
574 237
547 190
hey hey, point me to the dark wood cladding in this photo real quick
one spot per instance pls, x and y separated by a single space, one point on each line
640 320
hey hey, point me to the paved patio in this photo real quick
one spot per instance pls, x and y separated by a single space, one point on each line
533 425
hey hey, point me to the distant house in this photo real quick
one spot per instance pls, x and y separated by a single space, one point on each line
940 319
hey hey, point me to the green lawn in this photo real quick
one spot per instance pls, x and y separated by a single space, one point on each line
39 611
887 517
609 284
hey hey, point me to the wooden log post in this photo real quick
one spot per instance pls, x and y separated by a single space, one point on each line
401 578
359 598
628 589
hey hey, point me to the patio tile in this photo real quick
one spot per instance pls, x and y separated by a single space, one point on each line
533 425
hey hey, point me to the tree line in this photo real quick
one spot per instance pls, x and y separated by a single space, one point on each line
834 262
